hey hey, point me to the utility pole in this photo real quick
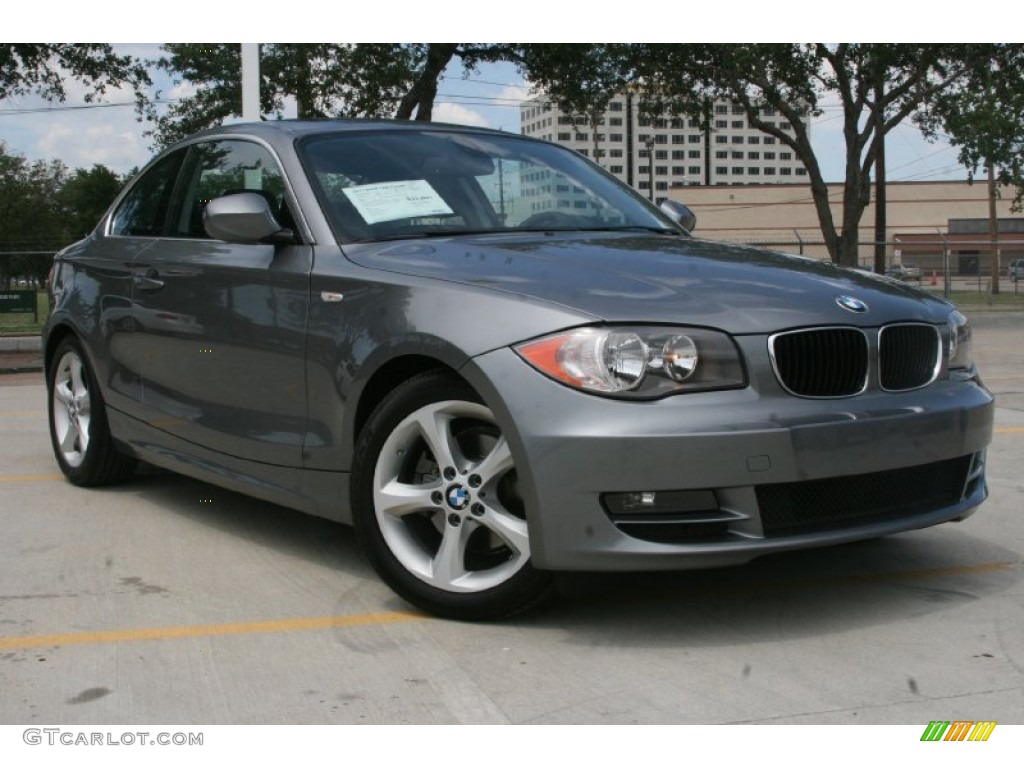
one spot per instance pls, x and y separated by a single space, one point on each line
993 227
880 202
250 81
650 168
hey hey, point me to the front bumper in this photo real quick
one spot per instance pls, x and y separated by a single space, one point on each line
571 448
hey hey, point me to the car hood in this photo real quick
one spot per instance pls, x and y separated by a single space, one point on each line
659 279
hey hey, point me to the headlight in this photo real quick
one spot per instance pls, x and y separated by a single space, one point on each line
637 362
959 341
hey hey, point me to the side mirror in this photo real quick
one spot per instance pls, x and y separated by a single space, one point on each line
243 218
680 214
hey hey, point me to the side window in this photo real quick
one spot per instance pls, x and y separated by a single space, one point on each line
143 212
219 168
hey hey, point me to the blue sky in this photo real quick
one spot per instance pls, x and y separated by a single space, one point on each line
111 134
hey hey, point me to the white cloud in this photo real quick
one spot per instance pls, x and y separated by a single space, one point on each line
456 113
86 141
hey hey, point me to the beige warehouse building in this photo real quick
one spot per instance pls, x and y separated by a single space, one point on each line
924 218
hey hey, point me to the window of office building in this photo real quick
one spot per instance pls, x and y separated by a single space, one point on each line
615 137
721 139
785 171
721 170
644 169
737 109
678 170
737 139
769 139
753 139
801 171
753 155
661 170
678 154
694 170
785 156
722 154
721 123
693 154
753 171
737 123
769 171
614 153
678 139
737 155
615 106
564 136
615 168
661 154
737 171
644 184
614 121
721 109
661 186
769 155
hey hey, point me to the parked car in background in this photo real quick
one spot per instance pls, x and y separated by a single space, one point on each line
904 271
1015 270
498 362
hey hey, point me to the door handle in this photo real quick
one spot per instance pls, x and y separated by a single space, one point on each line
148 282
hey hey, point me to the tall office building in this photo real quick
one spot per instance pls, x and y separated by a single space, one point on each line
669 151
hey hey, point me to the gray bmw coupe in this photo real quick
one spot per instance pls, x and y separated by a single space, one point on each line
497 362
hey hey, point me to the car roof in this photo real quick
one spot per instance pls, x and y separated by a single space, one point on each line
277 129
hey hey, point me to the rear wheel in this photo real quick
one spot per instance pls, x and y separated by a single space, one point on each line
79 431
436 503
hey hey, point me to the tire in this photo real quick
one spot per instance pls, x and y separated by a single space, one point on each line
79 430
448 536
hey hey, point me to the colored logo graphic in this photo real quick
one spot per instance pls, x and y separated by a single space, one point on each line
958 730
851 304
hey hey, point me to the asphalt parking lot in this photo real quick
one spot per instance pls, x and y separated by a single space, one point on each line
166 600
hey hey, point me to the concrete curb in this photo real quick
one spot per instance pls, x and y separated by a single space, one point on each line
20 343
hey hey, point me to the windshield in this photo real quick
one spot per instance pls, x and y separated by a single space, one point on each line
380 185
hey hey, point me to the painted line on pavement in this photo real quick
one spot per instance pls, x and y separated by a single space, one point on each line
207 630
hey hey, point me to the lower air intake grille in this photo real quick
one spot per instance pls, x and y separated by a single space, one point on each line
818 505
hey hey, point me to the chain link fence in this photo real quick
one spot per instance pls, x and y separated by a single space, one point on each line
942 263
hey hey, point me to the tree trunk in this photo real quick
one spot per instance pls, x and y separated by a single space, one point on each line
423 92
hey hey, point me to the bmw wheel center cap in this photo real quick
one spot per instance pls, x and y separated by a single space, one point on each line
458 497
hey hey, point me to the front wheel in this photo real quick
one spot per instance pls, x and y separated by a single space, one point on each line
436 503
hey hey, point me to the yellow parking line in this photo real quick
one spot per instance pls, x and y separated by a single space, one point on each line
1008 430
29 478
394 617
206 630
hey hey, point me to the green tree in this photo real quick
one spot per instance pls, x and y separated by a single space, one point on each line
324 79
43 69
31 222
84 197
874 87
984 118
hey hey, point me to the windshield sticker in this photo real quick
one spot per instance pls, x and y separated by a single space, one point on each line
393 200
